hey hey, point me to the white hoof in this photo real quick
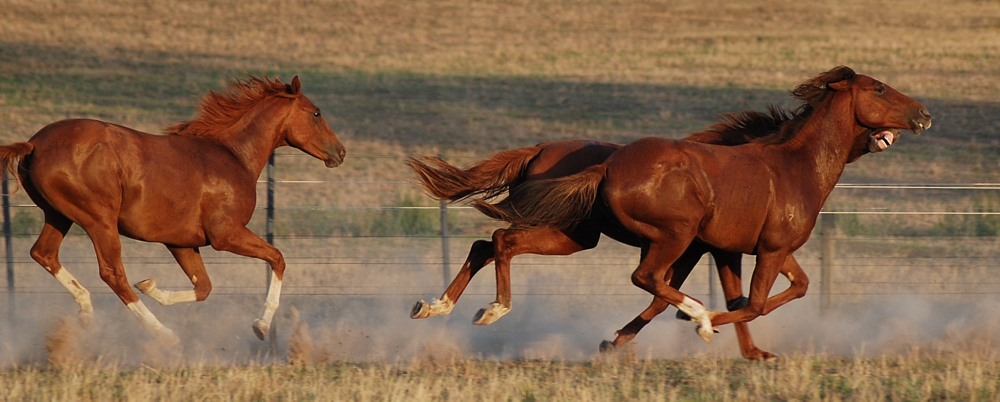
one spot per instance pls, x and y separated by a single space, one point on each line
146 286
706 334
436 307
490 314
167 337
261 328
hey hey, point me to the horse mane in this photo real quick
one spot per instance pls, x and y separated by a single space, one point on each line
220 110
777 125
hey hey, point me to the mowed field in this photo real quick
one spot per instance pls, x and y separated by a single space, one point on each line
464 79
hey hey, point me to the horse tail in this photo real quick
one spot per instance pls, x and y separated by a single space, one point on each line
562 202
489 178
11 154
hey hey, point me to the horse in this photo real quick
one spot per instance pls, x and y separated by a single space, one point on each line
760 198
193 187
504 170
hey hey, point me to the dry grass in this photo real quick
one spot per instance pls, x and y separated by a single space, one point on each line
913 376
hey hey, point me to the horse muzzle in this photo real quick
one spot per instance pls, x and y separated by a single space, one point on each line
336 157
922 122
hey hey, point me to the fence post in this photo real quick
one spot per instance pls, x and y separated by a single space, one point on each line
9 248
712 273
269 236
827 231
445 270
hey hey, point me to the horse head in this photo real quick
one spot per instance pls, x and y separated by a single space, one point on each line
879 110
307 130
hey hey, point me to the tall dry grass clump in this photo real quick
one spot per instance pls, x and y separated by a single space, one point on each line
915 376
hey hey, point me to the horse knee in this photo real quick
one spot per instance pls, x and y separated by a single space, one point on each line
202 289
643 279
799 286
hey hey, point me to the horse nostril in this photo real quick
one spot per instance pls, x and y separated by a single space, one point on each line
925 114
343 152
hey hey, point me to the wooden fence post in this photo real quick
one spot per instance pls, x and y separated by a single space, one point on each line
828 232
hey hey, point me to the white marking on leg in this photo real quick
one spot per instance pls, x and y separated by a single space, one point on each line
164 297
149 321
270 304
700 315
80 294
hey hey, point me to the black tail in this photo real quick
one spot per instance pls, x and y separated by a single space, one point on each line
561 202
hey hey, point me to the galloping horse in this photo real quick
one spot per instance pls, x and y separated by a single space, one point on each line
762 197
193 187
507 169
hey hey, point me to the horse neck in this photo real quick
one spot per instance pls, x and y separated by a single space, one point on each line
255 140
822 147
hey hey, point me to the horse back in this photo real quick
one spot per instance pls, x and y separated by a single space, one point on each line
563 158
716 191
154 187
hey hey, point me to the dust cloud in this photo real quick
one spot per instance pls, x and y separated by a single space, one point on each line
312 329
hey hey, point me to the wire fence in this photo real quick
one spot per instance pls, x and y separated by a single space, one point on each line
925 258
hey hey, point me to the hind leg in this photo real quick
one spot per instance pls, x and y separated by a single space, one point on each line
108 247
45 252
480 254
508 243
193 266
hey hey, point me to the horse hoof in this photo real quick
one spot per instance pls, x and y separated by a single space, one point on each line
607 347
260 329
683 316
706 334
86 317
168 338
420 310
489 315
146 286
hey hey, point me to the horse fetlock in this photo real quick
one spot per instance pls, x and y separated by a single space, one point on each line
261 328
436 307
490 314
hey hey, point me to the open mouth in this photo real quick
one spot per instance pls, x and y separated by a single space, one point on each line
882 139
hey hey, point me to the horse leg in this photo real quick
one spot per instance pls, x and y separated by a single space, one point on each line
45 252
797 289
765 273
193 266
240 240
651 273
730 270
107 245
480 254
678 274
508 243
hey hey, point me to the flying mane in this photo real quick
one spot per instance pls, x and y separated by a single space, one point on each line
777 125
221 110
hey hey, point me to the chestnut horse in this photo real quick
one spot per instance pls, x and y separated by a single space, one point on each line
759 198
193 187
507 169
504 170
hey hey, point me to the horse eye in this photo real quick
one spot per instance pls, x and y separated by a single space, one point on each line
880 89
316 114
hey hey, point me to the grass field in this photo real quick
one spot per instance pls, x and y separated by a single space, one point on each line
467 78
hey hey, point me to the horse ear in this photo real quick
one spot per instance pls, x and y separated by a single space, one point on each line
839 85
295 87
